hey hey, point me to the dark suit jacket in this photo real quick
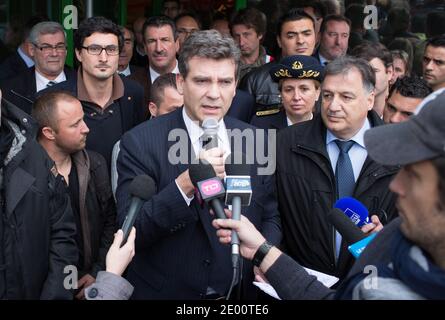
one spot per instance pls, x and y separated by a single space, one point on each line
142 76
12 66
178 253
242 107
21 90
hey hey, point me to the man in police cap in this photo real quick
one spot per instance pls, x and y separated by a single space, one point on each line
299 78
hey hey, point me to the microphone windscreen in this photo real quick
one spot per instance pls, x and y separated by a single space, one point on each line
200 172
236 165
210 126
143 187
348 230
354 209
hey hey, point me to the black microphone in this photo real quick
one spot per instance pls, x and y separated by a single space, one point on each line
238 193
141 189
352 235
210 136
210 187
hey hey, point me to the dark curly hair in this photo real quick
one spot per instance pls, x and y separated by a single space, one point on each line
96 24
411 87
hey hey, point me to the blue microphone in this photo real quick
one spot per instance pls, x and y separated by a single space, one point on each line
353 236
354 209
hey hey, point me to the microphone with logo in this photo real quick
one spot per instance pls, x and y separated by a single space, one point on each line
354 209
210 187
353 236
210 136
141 189
238 193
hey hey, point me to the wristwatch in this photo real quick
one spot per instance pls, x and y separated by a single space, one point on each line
261 253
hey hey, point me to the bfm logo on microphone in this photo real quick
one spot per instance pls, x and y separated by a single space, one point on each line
238 184
211 187
354 216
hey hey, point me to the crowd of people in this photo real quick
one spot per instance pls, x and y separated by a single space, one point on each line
356 112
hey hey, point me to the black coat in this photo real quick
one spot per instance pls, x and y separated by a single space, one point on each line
38 224
97 209
21 90
242 107
275 121
307 191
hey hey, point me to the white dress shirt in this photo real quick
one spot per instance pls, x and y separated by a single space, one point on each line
42 82
154 75
195 132
126 72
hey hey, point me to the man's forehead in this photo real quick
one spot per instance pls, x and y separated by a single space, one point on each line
298 25
163 31
100 38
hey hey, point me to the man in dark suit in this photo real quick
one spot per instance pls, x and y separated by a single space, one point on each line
179 256
325 159
48 49
112 104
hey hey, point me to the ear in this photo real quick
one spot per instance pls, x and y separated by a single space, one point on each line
48 133
177 45
279 41
32 49
180 83
78 56
153 109
370 100
317 95
260 37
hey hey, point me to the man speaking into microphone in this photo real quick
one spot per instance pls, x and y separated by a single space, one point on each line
178 253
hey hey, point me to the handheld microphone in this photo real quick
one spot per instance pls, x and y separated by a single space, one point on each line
352 235
239 193
141 189
354 209
209 186
210 137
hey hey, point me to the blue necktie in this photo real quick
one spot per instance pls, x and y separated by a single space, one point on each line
344 177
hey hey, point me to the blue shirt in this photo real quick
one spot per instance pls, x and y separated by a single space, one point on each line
28 61
357 153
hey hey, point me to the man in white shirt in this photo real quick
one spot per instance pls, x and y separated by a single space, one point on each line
179 256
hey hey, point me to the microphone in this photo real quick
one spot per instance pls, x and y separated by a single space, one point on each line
354 209
239 193
209 186
141 189
210 136
352 235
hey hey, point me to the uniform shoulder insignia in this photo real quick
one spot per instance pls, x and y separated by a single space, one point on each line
267 112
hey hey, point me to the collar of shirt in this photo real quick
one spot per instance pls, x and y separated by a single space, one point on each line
289 121
82 93
154 75
42 82
28 61
126 72
323 60
357 153
195 132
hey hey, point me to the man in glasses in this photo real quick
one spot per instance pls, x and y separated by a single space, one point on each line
112 104
48 49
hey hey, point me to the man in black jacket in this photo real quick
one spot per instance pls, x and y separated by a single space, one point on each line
112 104
62 133
36 226
312 172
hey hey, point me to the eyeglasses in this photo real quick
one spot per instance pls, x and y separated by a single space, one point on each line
96 50
46 48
